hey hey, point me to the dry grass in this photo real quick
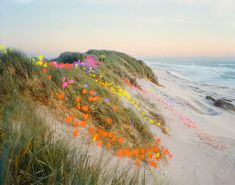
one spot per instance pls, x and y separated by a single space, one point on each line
28 152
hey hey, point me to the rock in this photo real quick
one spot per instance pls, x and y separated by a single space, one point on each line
226 100
210 98
222 102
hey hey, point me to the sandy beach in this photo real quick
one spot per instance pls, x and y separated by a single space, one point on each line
146 130
202 136
201 139
204 155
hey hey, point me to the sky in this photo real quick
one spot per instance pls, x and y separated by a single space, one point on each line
142 28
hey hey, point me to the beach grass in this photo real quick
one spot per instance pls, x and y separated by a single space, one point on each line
29 153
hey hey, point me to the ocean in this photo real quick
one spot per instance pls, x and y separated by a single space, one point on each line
217 76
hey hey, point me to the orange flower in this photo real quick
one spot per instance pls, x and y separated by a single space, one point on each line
78 107
128 153
75 133
60 96
155 149
75 124
91 130
142 157
115 109
110 134
152 164
96 98
135 152
85 108
108 145
104 134
44 71
166 151
85 117
121 140
109 121
100 143
100 132
142 150
147 149
137 162
114 139
69 119
92 93
84 91
49 77
120 152
78 99
83 124
150 155
90 99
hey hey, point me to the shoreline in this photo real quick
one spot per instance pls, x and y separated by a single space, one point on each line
202 90
197 159
215 86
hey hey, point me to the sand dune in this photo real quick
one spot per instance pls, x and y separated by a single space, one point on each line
197 160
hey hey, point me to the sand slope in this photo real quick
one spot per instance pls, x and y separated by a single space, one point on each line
194 161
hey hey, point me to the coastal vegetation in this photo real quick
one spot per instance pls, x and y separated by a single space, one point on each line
30 152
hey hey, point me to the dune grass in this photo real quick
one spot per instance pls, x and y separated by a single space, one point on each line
29 153
115 65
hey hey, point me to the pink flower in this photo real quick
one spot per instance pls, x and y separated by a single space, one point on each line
64 84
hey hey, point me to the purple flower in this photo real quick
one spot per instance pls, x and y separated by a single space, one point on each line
106 100
131 123
90 61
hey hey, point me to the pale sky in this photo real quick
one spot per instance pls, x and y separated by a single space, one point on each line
142 28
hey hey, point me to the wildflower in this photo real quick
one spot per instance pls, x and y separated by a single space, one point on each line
44 71
109 121
75 124
49 77
75 133
69 119
84 91
92 93
83 124
60 96
121 140
91 130
85 116
85 108
120 152
78 99
152 164
100 143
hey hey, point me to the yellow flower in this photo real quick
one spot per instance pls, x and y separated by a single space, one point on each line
40 57
2 47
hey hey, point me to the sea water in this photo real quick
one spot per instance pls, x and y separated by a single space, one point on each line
218 76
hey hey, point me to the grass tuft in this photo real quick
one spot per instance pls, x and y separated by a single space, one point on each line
29 151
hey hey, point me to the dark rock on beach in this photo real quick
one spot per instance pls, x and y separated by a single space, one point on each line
210 98
223 103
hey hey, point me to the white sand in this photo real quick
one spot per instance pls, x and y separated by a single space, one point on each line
194 161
